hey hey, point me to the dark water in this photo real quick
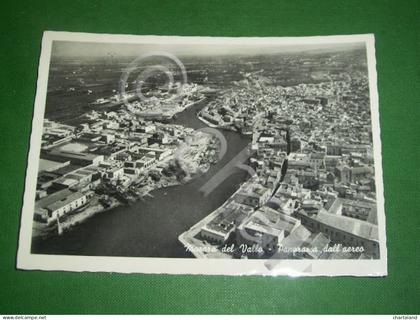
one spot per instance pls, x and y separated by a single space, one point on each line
150 228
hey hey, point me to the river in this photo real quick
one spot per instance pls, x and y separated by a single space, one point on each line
150 228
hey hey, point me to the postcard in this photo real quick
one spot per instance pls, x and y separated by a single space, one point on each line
205 155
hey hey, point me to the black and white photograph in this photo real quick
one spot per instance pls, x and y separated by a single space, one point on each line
205 155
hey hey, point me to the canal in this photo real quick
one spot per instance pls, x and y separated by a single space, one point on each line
150 228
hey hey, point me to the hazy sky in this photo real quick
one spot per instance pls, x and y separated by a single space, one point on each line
90 49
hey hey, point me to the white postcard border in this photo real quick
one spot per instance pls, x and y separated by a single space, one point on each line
28 261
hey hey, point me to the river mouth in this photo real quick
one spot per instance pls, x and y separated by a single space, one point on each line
150 228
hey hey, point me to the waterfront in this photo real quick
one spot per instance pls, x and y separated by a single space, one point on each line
150 228
141 174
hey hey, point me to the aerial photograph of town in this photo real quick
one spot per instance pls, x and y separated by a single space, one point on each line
207 151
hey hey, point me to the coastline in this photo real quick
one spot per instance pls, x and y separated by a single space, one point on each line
188 117
126 198
189 240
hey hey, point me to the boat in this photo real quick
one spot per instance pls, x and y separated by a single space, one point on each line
100 101
81 208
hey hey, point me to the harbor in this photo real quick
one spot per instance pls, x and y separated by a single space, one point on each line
138 228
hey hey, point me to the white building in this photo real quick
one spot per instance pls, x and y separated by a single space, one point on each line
58 204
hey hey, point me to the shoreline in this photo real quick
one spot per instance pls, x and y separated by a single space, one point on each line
188 238
44 230
141 193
